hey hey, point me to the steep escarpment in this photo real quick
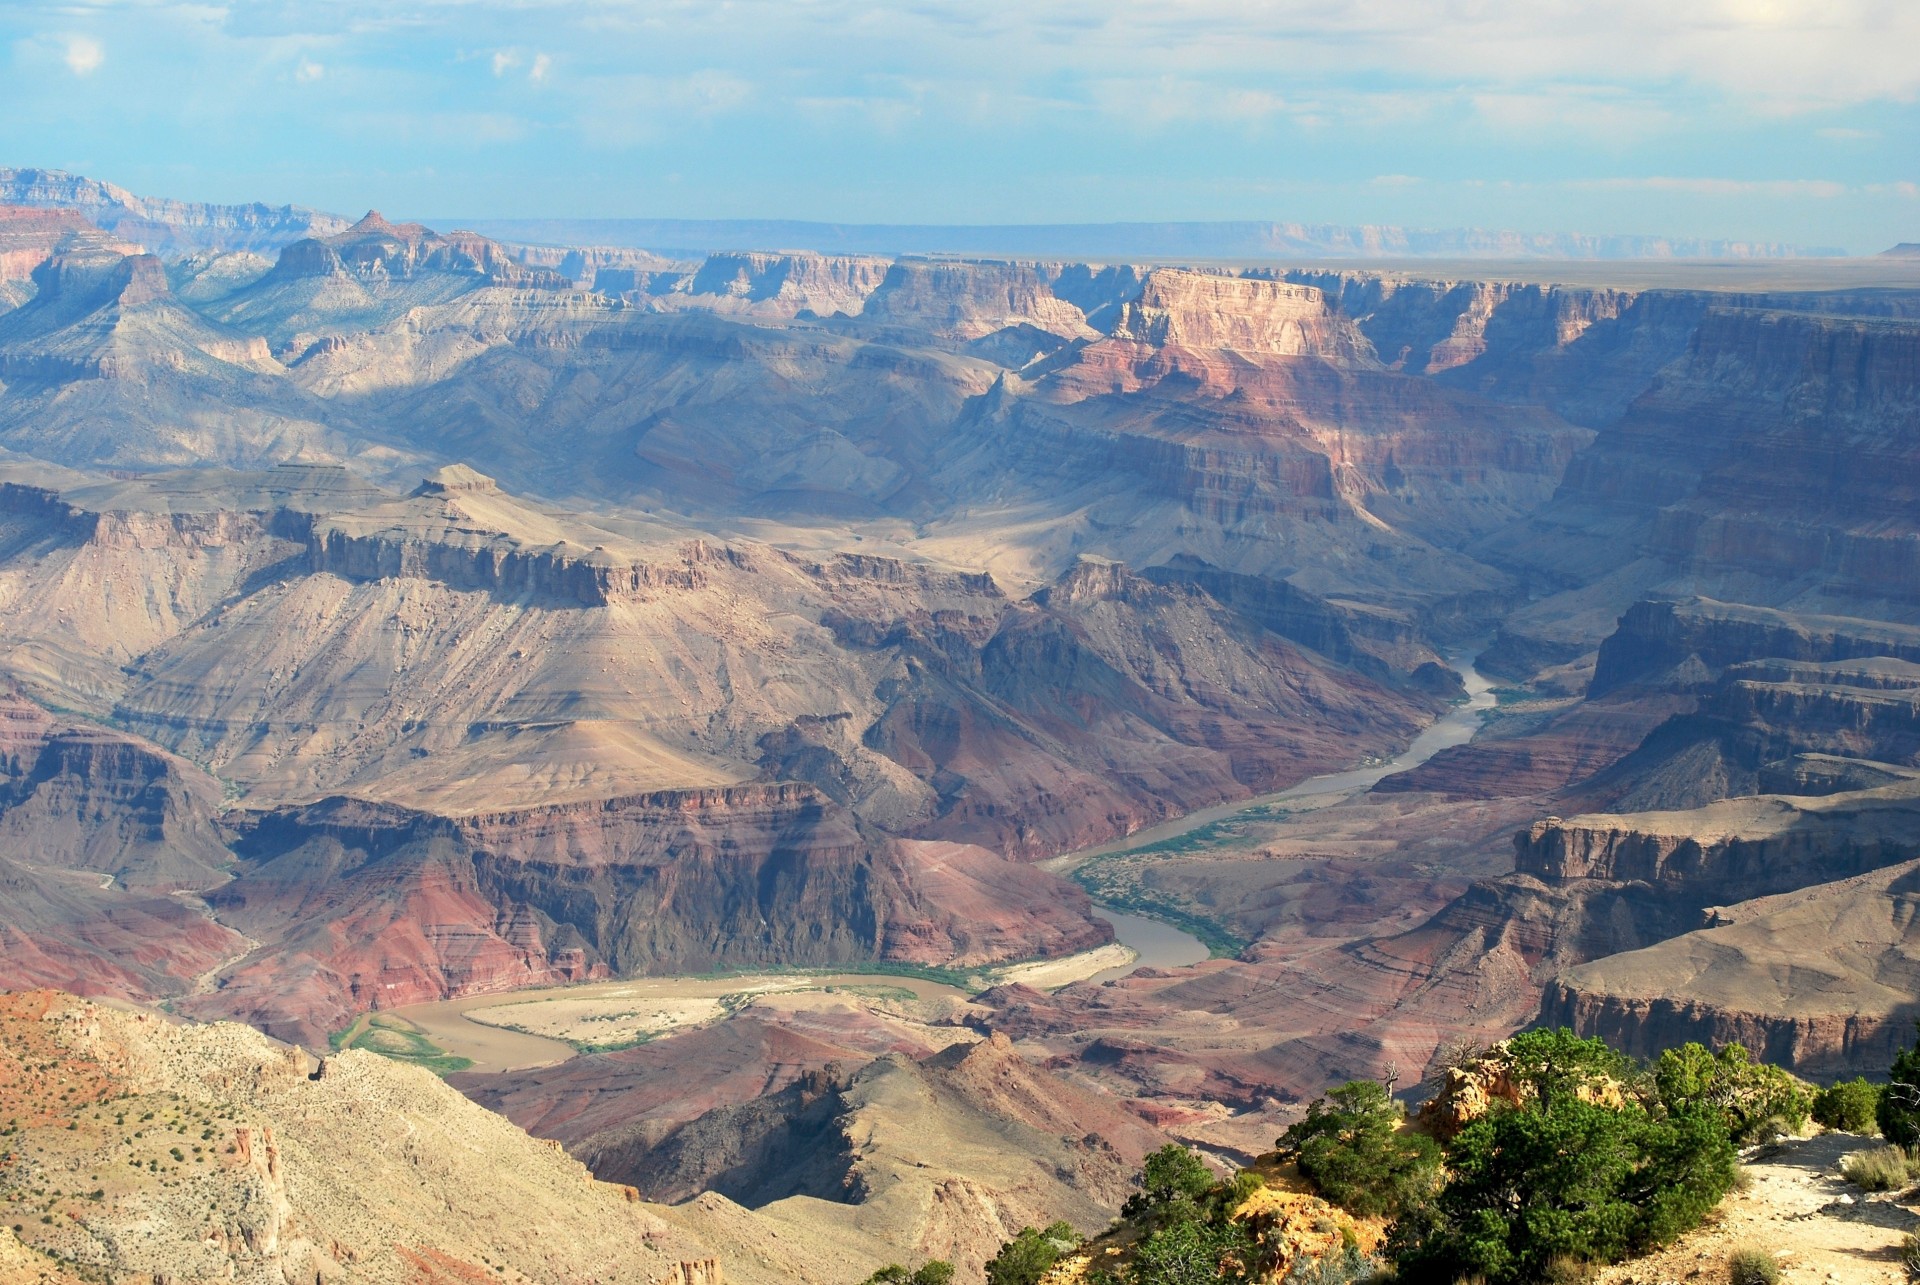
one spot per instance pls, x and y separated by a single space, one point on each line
102 841
1586 352
1656 640
1753 845
165 226
1252 429
781 285
1178 309
1820 980
375 249
363 906
1774 464
100 315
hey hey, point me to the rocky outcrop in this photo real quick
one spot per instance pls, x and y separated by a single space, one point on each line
1181 309
457 529
949 1153
1689 642
1820 980
968 301
363 1168
1754 846
785 285
375 250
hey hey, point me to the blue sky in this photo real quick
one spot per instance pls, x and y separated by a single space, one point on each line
1789 120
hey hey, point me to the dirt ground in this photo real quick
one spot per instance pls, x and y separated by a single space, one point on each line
1821 1227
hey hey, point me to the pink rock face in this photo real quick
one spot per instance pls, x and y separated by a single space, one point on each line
1259 318
362 906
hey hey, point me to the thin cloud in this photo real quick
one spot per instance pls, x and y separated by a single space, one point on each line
1822 189
309 71
84 55
542 64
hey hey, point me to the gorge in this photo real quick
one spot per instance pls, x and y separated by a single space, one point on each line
396 619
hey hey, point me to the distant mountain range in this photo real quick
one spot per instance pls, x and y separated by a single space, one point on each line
170 227
1130 241
163 226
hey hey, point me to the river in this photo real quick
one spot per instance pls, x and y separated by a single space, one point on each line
1154 943
1161 945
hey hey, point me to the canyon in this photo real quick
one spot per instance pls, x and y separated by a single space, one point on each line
392 615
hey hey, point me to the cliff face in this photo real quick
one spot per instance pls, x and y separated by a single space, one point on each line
1774 463
98 833
164 226
100 315
1269 318
375 906
1819 980
376 250
1751 846
785 285
968 301
1656 641
1585 352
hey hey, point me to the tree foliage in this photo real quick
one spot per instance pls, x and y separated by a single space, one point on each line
1170 1178
935 1271
1580 1170
1351 1148
1027 1257
1849 1105
1757 1101
1898 1111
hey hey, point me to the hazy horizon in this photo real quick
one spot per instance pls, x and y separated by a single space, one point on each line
1781 122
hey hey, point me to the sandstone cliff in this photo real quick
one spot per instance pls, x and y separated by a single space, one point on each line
1753 846
1820 980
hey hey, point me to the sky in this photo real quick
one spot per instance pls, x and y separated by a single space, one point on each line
1772 120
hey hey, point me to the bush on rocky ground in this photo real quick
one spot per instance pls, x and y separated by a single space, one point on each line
1751 1265
1849 1106
1881 1169
1353 1149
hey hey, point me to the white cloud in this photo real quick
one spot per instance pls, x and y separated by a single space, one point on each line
308 71
504 60
542 64
84 55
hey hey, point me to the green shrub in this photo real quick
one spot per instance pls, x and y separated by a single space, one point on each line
1196 1251
1351 1148
1910 1255
935 1271
1171 1176
1750 1265
1881 1169
1030 1254
1898 1111
1759 1102
1343 1266
1848 1106
1564 1178
1557 1063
